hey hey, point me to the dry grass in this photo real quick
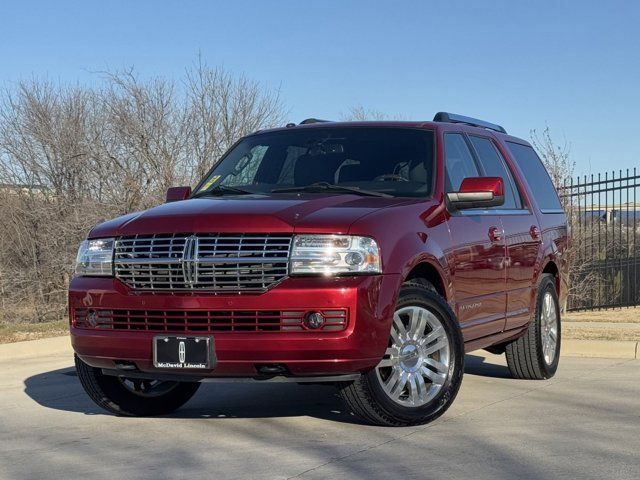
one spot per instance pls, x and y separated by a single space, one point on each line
18 332
618 315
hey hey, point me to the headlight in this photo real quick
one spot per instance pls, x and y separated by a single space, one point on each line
334 254
95 258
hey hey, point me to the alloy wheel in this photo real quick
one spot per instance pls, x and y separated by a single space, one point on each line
147 388
416 363
549 328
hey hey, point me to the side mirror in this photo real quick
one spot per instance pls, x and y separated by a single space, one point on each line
477 192
175 194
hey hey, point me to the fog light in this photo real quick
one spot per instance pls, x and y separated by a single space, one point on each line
98 319
92 318
314 320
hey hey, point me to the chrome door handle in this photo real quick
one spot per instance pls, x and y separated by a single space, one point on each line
534 231
496 234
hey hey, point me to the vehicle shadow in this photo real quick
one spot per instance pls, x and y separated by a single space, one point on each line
61 390
478 365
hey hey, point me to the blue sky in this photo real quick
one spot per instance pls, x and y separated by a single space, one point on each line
574 66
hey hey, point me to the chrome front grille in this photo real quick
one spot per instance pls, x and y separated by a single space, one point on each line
215 262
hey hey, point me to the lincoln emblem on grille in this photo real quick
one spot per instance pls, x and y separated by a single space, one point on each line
190 260
182 352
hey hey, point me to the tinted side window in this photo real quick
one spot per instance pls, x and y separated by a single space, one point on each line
459 163
537 176
493 165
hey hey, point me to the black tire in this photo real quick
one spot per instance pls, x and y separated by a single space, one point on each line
525 356
365 396
111 394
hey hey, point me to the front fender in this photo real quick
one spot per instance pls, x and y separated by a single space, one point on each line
408 236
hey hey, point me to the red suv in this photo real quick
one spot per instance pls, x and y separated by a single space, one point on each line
370 255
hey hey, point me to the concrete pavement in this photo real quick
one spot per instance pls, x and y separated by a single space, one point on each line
584 423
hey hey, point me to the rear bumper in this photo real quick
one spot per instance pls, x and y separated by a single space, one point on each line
369 301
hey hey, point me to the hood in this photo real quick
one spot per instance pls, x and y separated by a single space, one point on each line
305 212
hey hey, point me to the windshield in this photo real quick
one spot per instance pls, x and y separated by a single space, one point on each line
391 161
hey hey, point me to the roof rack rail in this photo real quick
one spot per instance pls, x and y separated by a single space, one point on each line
454 118
307 121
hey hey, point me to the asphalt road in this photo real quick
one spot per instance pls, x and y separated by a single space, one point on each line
584 423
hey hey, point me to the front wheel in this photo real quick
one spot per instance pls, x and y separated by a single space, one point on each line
133 397
421 371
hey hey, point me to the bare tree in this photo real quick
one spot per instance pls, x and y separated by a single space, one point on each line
556 157
221 109
72 156
143 134
359 113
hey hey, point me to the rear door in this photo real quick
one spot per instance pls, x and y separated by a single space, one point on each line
521 233
551 217
478 253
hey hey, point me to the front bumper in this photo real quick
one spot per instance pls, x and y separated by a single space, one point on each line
368 300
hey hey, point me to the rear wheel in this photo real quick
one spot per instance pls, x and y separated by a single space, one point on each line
133 397
536 354
421 371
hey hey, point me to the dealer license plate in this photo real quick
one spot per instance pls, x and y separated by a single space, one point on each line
183 352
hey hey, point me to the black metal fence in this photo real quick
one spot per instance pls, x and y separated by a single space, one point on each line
605 222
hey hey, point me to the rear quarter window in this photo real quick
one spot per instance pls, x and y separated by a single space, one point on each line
537 177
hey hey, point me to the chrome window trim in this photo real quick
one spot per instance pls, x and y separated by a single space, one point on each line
497 211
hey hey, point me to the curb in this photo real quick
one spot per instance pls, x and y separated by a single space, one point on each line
600 348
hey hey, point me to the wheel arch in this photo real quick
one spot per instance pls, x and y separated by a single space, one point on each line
551 268
428 269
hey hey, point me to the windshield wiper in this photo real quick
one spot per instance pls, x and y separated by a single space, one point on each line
221 190
329 187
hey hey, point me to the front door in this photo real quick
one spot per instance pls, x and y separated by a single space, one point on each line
478 258
478 253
